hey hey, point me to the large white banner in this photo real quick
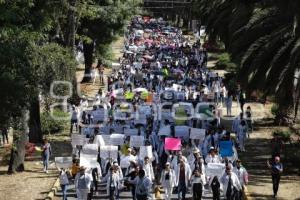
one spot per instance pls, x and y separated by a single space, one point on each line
197 133
89 160
116 139
77 139
109 152
215 169
136 141
145 151
63 162
90 149
102 140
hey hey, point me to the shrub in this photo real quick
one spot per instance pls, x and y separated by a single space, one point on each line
274 109
54 123
283 135
224 62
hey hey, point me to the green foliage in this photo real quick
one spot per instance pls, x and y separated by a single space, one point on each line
54 123
274 109
225 63
283 135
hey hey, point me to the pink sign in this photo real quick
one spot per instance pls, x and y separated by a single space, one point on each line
173 144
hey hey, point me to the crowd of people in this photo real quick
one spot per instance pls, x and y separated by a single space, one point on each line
160 69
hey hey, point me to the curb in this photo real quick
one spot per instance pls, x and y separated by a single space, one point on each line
53 190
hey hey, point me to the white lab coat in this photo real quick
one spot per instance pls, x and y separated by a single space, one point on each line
242 174
187 171
234 180
212 159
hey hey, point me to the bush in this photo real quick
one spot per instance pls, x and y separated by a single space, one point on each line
283 135
224 63
54 124
274 109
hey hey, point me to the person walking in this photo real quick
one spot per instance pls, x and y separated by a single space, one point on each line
82 182
242 174
168 180
64 182
198 181
74 119
242 135
142 186
183 175
215 187
4 133
228 102
276 171
231 184
46 153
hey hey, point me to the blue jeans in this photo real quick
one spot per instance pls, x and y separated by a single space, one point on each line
64 191
181 190
46 161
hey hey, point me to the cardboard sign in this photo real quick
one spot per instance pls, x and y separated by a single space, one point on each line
109 152
116 139
90 149
182 131
63 162
165 130
77 139
102 140
172 144
98 115
130 131
145 151
136 141
88 161
226 148
215 169
197 134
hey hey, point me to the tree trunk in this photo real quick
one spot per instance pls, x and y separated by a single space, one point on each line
35 131
17 156
71 25
88 50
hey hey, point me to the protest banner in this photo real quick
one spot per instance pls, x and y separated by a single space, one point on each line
77 139
197 134
172 144
165 130
90 149
136 141
88 160
102 140
109 152
214 169
130 131
226 148
98 115
63 162
116 139
182 131
145 151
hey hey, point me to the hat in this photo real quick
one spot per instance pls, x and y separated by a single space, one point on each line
196 150
129 149
115 164
277 158
167 163
211 148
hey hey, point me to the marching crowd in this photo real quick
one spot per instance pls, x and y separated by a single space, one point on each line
161 68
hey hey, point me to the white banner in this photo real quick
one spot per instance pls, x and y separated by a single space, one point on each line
77 139
63 162
89 160
145 151
182 131
109 152
197 133
116 139
90 149
165 130
136 141
130 131
215 169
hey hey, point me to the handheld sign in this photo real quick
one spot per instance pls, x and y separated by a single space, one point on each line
215 169
63 162
90 149
136 141
182 131
172 144
145 151
116 139
77 139
197 134
226 148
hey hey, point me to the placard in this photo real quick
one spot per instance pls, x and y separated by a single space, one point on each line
102 140
116 139
90 149
98 115
63 162
77 139
165 130
172 144
214 169
109 152
197 134
182 131
145 151
89 161
136 141
226 148
130 131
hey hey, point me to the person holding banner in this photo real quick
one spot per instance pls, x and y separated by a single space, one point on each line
183 175
167 180
83 182
64 182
